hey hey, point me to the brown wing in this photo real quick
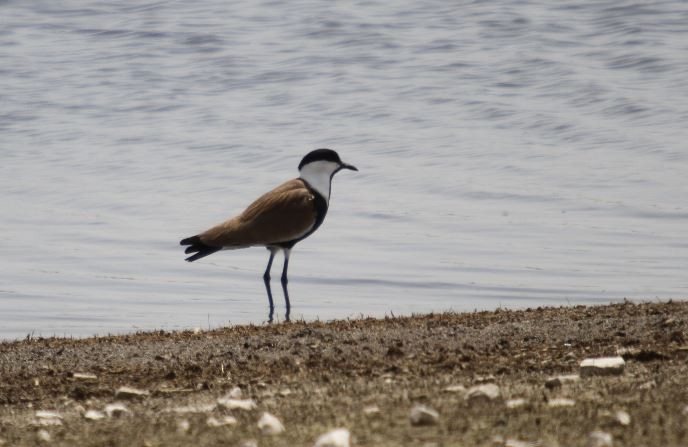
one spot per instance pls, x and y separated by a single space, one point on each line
283 214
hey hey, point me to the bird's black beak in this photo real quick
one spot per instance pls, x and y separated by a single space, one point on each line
348 166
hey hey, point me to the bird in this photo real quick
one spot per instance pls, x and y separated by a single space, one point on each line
278 219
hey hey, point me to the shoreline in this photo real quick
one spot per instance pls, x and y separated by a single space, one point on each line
365 375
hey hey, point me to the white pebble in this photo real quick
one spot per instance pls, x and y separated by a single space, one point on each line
371 410
183 426
270 425
515 403
600 439
84 376
94 415
602 366
485 392
46 418
561 402
227 420
622 417
235 393
205 408
117 409
127 392
339 437
236 404
422 415
455 389
44 436
45 414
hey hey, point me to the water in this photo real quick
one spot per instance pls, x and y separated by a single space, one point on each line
518 153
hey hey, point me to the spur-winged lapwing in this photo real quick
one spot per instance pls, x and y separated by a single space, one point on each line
278 219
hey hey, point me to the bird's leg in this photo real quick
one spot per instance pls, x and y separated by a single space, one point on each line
266 275
287 252
266 279
285 281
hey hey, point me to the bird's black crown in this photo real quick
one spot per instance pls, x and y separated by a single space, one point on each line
320 155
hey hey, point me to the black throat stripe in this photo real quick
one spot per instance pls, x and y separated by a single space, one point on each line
320 212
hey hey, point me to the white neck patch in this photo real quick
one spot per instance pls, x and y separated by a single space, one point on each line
318 175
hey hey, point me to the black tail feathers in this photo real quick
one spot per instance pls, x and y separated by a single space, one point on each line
195 245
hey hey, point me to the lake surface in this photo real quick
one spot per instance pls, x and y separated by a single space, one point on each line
511 154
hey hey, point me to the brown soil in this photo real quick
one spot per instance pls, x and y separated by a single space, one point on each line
318 376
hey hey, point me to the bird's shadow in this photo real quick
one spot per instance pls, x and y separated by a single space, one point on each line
271 304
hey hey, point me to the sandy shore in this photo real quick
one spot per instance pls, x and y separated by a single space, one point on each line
363 375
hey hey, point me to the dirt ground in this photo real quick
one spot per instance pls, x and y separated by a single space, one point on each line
364 375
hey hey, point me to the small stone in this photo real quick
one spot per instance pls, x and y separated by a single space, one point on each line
205 408
46 418
237 404
600 439
84 376
455 389
371 410
485 392
45 414
270 425
602 366
235 393
556 382
422 415
116 410
669 322
622 418
285 392
339 437
223 421
127 392
94 415
485 379
561 402
44 436
249 443
183 426
516 403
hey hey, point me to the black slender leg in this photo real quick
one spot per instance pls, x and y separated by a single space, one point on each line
285 281
266 279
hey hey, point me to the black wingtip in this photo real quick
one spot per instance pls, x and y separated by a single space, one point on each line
195 245
190 240
202 254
